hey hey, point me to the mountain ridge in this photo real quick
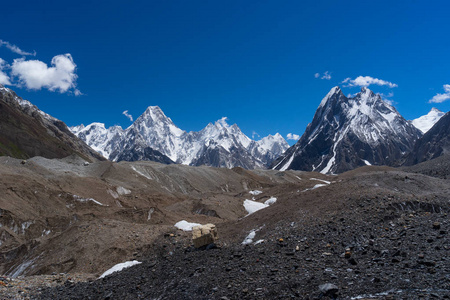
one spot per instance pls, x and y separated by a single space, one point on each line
346 133
27 132
218 144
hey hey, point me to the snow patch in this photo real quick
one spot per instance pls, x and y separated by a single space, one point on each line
253 206
324 181
366 162
119 267
249 238
81 199
123 191
255 192
185 225
286 165
271 201
315 187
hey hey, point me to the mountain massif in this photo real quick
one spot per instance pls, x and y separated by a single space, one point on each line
347 133
26 131
153 136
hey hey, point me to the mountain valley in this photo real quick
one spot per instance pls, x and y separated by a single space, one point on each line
356 209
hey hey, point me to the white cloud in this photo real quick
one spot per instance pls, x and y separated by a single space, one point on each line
366 81
16 49
325 75
4 79
292 136
439 98
126 114
35 74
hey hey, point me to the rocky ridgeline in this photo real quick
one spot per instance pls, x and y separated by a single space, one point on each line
397 250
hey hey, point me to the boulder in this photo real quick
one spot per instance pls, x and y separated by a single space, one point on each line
204 235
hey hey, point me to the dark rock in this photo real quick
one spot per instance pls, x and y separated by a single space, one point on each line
328 289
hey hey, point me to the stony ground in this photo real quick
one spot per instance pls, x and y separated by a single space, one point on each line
372 233
391 253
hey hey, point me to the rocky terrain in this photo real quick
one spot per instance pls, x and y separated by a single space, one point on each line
374 232
27 131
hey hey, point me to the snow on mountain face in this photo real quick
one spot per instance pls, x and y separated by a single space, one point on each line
154 134
98 137
424 123
349 132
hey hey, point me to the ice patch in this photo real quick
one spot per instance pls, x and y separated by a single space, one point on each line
253 206
324 181
366 162
185 225
113 194
249 238
150 213
315 187
120 267
271 201
80 199
123 191
255 192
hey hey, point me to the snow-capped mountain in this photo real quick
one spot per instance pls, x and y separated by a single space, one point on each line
99 138
153 136
27 131
434 143
424 123
349 132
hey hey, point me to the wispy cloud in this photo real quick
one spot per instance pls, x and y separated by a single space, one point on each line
326 75
126 114
35 74
439 98
4 78
386 97
255 134
16 49
292 136
366 81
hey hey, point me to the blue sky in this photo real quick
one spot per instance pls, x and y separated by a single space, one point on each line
254 62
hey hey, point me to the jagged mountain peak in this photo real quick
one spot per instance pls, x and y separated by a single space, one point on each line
349 132
335 93
218 144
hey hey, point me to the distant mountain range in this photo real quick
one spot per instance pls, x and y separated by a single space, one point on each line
153 136
345 133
